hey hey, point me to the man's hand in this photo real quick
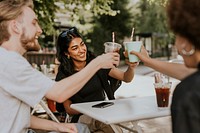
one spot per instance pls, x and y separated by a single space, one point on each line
109 60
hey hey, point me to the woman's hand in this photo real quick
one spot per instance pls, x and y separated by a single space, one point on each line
131 64
142 55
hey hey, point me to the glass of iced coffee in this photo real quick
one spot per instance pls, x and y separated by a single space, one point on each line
162 90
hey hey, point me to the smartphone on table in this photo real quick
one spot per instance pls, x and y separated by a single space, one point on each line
102 105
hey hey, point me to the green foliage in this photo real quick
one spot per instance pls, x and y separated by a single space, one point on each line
158 2
97 19
79 12
104 26
45 9
96 6
151 18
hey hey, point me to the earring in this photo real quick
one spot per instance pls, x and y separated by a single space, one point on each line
188 53
68 56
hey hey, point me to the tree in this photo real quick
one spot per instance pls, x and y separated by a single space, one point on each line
80 13
151 18
47 9
121 24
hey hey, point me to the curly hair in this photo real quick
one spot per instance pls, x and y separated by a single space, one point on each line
184 19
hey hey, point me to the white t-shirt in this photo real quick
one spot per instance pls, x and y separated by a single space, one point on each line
21 86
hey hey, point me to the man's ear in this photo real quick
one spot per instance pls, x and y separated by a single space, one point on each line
16 26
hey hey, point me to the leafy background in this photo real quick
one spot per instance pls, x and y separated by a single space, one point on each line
97 19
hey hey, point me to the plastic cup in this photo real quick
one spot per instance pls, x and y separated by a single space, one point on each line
44 69
112 47
162 94
130 46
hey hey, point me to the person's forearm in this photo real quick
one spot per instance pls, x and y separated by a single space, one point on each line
69 110
126 76
129 74
67 87
42 124
175 70
49 125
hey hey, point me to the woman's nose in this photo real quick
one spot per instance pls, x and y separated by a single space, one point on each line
82 49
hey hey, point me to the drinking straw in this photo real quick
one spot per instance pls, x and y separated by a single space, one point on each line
113 36
132 33
157 77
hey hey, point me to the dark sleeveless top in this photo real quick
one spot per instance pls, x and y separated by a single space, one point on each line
93 90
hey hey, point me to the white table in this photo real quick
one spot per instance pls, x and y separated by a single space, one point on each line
124 110
140 86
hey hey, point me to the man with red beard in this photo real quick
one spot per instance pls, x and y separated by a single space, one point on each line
21 86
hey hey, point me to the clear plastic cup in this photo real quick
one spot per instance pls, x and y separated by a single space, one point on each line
162 94
112 47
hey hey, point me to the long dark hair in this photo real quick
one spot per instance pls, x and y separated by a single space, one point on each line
64 39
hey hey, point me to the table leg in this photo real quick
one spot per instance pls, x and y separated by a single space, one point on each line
116 128
135 125
127 128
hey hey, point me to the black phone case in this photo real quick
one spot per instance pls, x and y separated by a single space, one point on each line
102 104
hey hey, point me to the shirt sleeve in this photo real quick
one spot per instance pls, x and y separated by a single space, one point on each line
25 83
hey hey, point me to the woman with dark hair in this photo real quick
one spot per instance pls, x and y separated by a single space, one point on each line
62 46
73 56
184 18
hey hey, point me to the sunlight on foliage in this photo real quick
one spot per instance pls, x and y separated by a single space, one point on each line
159 2
96 6
77 9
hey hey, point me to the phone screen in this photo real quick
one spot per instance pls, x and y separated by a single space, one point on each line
102 104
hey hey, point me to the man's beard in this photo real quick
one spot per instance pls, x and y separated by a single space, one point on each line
29 43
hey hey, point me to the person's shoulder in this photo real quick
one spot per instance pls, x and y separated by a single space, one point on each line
188 86
9 56
192 79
